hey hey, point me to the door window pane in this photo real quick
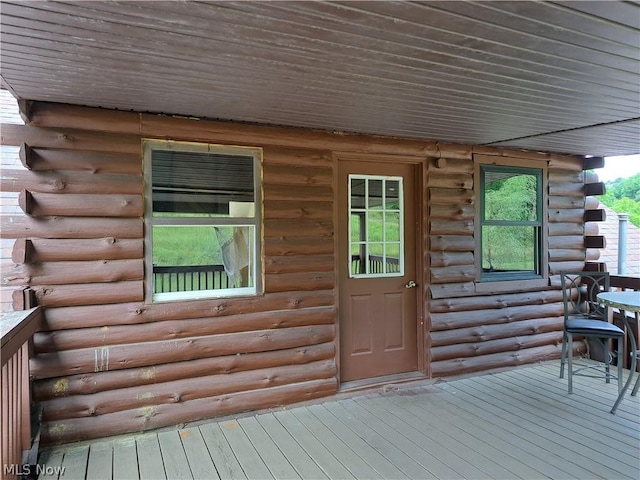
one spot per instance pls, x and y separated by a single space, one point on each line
375 227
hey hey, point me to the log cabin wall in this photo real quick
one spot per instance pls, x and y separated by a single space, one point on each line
470 331
109 363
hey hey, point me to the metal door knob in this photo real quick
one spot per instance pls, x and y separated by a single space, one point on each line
411 284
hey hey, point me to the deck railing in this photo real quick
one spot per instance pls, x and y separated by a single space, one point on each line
17 330
376 264
210 277
188 278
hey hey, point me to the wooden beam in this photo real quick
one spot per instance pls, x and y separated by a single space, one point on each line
23 251
599 215
590 163
594 189
26 110
26 156
595 241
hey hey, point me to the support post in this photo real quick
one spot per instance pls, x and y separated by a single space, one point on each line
623 221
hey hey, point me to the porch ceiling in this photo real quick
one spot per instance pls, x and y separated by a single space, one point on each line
553 76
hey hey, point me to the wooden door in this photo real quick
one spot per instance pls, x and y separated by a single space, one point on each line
377 269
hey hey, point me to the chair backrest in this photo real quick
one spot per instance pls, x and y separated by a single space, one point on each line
579 291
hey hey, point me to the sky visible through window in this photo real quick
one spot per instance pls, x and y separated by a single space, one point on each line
619 167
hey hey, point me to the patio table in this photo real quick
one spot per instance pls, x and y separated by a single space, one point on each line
625 302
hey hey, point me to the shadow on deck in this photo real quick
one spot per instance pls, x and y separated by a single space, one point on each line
514 424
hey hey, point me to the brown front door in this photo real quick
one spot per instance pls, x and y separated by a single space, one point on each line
377 268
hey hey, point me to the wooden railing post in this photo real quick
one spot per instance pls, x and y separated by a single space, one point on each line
17 331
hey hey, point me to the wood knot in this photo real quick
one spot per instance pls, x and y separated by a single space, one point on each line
59 184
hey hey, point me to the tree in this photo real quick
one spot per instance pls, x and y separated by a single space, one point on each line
623 196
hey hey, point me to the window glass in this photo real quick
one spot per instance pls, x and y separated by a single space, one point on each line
511 224
202 220
375 226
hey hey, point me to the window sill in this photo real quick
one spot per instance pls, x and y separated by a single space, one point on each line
515 285
203 295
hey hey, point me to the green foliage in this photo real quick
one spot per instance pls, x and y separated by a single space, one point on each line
623 196
510 245
175 246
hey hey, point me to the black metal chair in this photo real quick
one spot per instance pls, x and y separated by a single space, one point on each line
585 317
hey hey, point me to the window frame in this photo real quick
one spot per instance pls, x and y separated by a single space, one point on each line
365 210
487 282
148 146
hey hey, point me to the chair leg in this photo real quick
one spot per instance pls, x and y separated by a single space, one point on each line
636 386
620 357
570 362
607 360
563 355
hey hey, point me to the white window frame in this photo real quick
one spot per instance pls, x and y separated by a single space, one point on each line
255 222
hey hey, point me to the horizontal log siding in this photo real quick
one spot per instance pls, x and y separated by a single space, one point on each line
470 331
108 363
80 248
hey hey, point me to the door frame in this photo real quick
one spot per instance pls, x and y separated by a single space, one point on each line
420 181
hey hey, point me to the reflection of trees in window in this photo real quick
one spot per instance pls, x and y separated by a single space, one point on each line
510 223
375 227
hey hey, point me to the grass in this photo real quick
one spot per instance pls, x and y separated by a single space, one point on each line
173 246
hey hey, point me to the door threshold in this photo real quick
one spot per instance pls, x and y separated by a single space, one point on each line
384 381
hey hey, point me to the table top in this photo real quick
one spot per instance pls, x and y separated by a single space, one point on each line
628 301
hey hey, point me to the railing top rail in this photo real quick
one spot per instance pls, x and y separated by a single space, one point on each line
188 268
631 282
16 328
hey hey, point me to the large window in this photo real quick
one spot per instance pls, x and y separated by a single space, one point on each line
511 222
202 220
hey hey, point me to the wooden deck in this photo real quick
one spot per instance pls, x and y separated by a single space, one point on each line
517 424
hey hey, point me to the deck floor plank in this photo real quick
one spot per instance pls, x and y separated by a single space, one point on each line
335 443
482 439
540 431
526 426
381 437
150 463
195 448
252 464
518 424
592 397
174 458
125 460
50 462
453 438
496 432
271 455
596 449
344 427
312 446
74 463
290 448
220 451
443 462
524 458
594 417
100 462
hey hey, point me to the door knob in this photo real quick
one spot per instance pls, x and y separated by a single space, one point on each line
411 284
